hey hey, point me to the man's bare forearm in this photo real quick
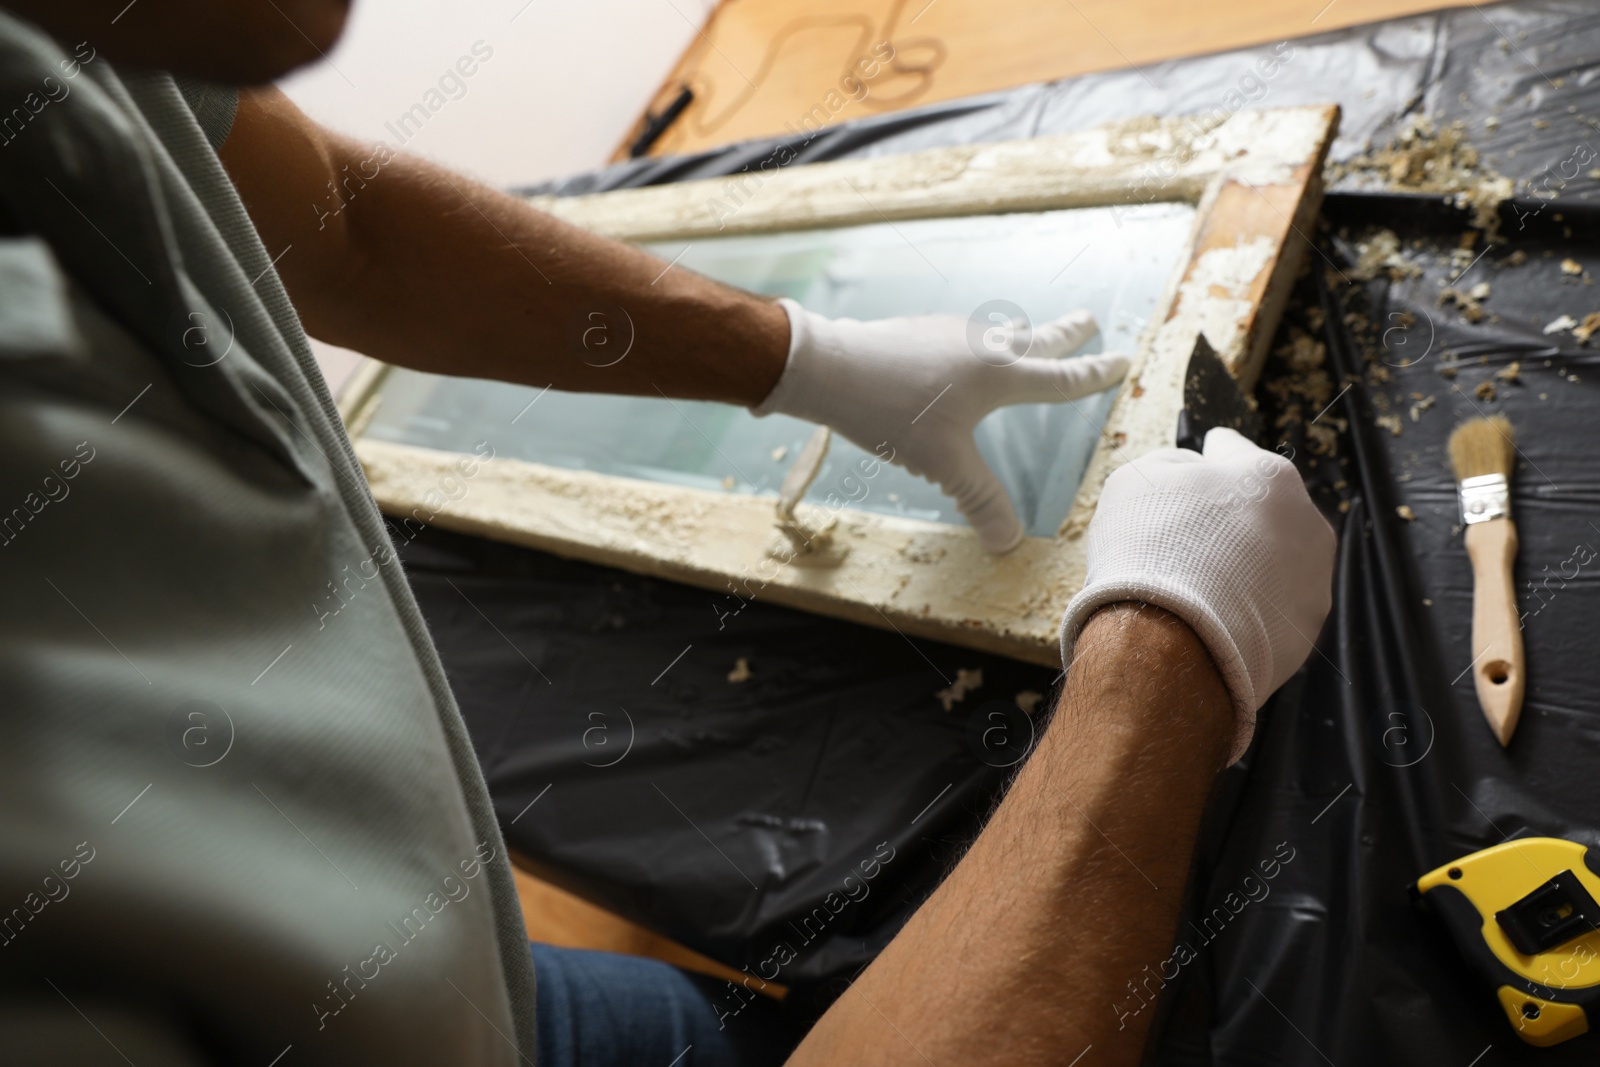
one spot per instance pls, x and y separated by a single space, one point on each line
405 261
1073 887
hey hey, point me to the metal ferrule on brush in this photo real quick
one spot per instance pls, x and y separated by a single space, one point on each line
1484 497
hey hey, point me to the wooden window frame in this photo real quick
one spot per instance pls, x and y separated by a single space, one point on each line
1255 180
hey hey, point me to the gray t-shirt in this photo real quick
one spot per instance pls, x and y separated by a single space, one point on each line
240 816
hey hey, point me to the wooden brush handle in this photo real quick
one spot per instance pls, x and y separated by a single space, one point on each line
1496 630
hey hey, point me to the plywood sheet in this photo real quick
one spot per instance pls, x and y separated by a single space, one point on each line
762 68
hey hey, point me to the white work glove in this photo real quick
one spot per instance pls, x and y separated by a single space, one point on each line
919 384
1229 542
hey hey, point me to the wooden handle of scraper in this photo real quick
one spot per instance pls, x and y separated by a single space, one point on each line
1496 630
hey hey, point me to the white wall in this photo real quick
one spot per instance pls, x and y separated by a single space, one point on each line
563 84
566 80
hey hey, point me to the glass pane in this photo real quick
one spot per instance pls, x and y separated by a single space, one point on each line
1047 262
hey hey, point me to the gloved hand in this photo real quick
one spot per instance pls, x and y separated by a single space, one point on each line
920 385
1228 541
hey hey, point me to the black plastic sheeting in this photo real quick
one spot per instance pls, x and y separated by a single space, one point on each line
740 807
790 820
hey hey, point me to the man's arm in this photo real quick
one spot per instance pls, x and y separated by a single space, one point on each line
1024 955
1046 937
405 261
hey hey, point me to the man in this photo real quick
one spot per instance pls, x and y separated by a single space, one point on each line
236 832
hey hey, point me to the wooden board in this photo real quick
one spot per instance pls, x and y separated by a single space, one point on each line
759 69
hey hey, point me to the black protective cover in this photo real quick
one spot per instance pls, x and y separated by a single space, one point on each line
740 807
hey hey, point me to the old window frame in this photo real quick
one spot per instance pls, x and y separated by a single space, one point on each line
1255 180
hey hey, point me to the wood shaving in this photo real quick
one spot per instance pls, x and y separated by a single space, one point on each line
1388 422
1479 292
1405 512
779 453
1586 329
1485 390
1419 407
1571 266
1565 322
741 671
1510 372
966 681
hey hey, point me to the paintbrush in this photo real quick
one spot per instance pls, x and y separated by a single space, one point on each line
1483 453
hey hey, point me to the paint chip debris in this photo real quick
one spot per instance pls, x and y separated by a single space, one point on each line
740 672
1426 158
966 681
1470 309
1378 253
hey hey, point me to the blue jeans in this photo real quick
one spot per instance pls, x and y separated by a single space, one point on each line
600 1009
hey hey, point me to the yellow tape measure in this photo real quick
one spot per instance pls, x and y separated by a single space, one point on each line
1525 915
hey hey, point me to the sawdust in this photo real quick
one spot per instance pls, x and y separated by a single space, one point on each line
1485 390
1423 158
740 672
1571 266
1388 422
1405 512
1511 372
1419 407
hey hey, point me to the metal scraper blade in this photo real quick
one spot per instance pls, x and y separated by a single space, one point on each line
1212 398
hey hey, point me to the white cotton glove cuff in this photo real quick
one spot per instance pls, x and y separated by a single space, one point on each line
1183 602
818 366
1230 543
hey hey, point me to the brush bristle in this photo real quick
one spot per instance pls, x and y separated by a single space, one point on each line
1483 446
